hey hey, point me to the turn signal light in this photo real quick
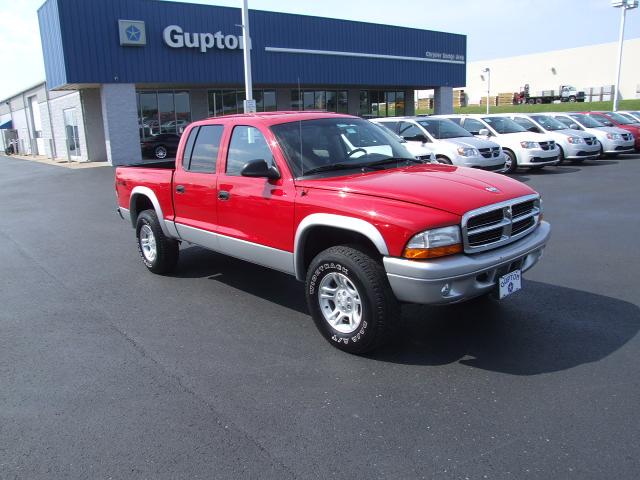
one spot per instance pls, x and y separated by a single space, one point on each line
435 252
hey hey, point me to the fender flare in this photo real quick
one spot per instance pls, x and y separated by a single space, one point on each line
146 192
337 221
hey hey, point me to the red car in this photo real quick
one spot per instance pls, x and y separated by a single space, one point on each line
343 206
613 119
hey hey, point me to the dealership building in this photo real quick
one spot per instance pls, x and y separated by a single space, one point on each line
120 71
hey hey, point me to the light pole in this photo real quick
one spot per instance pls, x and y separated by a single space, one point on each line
624 5
249 103
487 70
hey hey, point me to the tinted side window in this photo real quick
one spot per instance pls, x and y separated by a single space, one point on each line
205 149
393 126
523 122
565 120
186 156
247 143
473 126
410 131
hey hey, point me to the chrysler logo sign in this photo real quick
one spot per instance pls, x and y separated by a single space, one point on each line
132 33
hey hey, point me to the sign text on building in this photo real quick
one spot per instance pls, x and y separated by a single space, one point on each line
175 37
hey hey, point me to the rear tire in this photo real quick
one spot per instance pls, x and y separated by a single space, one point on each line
159 253
350 299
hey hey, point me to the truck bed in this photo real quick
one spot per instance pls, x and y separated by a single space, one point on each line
155 177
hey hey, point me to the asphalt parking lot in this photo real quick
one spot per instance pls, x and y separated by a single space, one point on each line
108 371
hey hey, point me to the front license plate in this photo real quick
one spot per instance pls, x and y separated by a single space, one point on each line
510 283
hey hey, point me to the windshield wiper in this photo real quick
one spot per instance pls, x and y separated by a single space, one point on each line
332 166
386 161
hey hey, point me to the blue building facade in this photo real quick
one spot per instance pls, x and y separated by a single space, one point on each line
154 66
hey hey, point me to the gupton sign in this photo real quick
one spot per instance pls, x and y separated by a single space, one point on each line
175 37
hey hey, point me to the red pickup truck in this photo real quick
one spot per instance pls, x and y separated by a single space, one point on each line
343 206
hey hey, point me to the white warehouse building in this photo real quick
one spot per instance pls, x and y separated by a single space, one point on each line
588 67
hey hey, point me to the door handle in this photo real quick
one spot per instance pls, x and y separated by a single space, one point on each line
180 188
223 195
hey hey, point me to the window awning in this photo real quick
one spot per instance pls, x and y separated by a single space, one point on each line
7 126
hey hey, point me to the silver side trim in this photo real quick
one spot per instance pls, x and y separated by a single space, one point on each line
338 221
360 55
171 227
274 258
147 192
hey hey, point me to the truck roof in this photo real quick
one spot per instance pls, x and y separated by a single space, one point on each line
273 118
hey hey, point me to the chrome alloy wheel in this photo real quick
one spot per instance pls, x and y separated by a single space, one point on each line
148 243
340 303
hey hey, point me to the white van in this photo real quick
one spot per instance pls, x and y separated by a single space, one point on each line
574 145
522 148
613 140
452 144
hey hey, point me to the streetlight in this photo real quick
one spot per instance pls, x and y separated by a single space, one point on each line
487 70
249 103
624 5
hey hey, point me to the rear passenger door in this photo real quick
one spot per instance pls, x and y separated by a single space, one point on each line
196 188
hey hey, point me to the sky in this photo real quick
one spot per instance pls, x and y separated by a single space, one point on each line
494 28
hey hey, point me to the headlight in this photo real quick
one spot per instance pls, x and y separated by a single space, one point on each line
575 140
468 152
614 136
529 144
434 243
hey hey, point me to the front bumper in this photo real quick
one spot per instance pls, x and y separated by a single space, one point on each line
531 157
617 146
491 164
581 151
467 276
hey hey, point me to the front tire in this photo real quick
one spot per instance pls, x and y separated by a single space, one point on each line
350 299
443 160
512 162
159 253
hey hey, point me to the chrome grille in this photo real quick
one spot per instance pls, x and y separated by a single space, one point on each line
499 224
627 136
548 145
491 152
590 140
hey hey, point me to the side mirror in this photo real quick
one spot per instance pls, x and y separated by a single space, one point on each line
534 130
574 126
260 169
484 132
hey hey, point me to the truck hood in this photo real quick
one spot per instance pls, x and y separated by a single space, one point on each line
449 188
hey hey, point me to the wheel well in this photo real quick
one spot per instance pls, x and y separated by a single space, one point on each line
319 238
139 203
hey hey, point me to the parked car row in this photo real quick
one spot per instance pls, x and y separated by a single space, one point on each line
504 142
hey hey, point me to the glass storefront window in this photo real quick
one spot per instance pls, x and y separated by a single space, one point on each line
379 103
230 102
330 100
163 112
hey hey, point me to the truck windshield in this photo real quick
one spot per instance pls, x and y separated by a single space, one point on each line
586 121
504 125
549 123
619 118
327 144
443 128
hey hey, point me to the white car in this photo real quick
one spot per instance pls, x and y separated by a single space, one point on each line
452 145
425 152
574 145
613 140
522 148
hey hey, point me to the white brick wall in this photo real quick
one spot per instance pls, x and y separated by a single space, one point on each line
58 106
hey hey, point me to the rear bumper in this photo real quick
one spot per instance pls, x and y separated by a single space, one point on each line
462 277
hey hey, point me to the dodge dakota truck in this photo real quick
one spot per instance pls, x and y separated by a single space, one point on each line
343 206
